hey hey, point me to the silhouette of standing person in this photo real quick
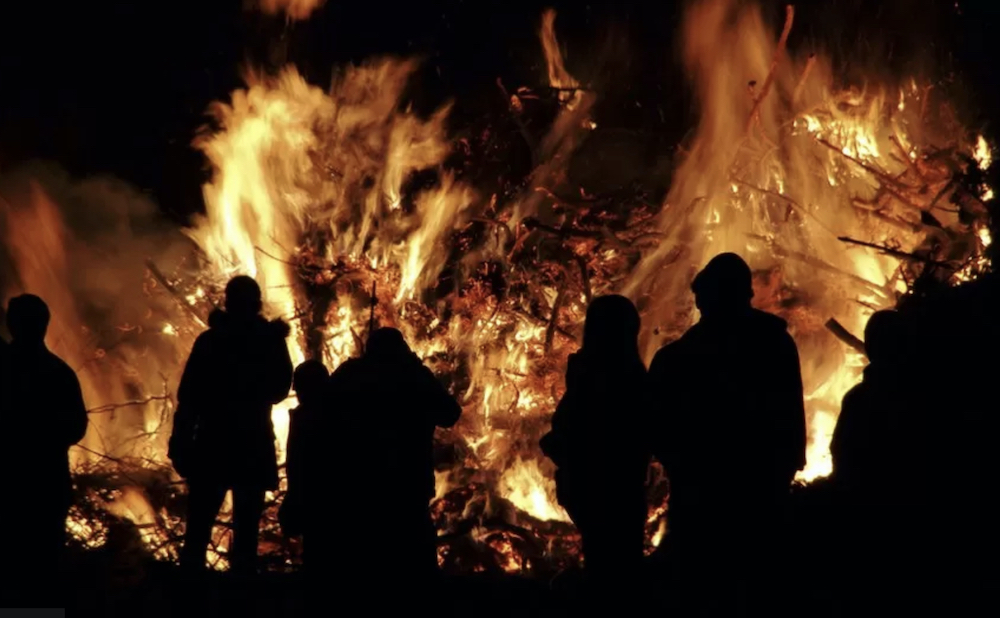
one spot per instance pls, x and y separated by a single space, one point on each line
223 437
732 437
869 426
598 442
45 414
4 378
390 396
877 447
306 509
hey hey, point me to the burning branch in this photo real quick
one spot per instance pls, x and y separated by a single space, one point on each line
845 335
532 143
778 53
805 76
885 178
162 280
903 255
550 329
780 251
111 407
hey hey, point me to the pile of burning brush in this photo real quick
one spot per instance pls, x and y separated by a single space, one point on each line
346 207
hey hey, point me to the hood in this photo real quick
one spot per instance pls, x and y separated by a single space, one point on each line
221 320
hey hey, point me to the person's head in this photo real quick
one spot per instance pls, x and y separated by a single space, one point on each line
243 296
885 337
27 319
724 286
612 324
309 381
386 343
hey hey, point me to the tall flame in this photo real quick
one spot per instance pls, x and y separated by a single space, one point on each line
778 172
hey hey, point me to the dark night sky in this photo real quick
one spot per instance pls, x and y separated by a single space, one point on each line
120 87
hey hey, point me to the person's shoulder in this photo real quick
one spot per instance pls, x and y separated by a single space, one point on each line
769 321
672 349
856 395
576 360
278 328
347 371
773 328
59 366
216 322
353 363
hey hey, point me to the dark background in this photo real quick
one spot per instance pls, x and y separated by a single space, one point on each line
121 87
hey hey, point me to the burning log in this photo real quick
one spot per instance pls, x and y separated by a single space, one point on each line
844 335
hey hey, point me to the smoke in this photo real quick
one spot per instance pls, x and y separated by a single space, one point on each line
83 246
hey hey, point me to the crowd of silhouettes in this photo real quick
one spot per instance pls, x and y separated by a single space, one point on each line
721 409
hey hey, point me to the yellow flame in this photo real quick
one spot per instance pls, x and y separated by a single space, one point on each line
983 154
525 485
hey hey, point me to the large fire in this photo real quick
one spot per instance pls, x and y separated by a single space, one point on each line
328 197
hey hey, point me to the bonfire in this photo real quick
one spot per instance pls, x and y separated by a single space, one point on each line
351 211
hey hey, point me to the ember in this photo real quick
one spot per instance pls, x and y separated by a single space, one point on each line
332 199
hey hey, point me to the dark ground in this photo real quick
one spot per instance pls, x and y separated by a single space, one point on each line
120 579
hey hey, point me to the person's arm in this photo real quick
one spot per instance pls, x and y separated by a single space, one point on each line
554 444
290 512
191 387
444 409
279 377
293 451
658 401
190 396
791 413
74 410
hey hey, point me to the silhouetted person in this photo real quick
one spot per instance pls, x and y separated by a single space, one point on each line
864 443
598 441
43 415
877 432
306 509
4 378
732 437
223 437
392 403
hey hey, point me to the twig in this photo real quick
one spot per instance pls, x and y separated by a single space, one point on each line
905 155
584 278
550 329
778 53
127 404
889 180
805 76
532 144
787 199
780 251
162 280
893 252
275 258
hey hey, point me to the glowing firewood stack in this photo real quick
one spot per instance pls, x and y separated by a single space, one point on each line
839 199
